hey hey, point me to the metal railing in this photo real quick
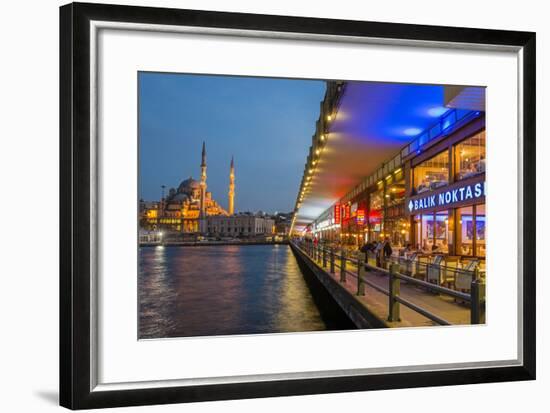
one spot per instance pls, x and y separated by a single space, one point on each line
330 259
444 126
438 272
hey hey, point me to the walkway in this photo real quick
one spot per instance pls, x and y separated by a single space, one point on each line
377 302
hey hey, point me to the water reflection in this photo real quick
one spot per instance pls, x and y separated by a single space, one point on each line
219 290
157 295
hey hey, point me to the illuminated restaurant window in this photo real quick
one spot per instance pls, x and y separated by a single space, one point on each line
480 230
471 231
398 231
427 231
395 226
441 232
432 232
432 173
396 193
470 156
465 231
377 200
376 214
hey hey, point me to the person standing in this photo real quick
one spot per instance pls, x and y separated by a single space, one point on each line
384 252
387 249
365 249
378 252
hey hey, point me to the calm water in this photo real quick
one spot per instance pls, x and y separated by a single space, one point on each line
219 290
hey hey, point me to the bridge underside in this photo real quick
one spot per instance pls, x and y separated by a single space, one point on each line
374 121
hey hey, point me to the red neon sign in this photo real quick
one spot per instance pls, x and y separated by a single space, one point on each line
360 219
375 216
337 215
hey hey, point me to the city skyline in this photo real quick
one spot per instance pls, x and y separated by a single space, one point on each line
255 121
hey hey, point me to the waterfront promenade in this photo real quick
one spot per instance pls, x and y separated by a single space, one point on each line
375 300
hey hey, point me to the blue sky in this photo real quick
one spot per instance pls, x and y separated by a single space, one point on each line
266 124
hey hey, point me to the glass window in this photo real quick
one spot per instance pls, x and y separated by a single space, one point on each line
417 231
480 230
376 214
471 231
427 232
433 173
395 193
441 232
470 156
465 231
377 200
398 231
433 233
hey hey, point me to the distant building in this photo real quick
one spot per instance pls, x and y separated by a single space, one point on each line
185 208
240 225
282 223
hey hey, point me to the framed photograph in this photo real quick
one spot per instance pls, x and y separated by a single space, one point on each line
258 206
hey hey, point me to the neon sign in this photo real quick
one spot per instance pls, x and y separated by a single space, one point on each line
375 216
360 217
448 197
347 211
337 216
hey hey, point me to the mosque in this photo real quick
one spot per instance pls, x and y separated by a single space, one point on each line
186 207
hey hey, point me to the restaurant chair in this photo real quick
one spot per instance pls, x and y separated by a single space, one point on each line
434 270
449 271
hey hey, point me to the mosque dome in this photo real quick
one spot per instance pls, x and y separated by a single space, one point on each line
180 197
188 186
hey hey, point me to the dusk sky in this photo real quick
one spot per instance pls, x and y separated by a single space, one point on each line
266 124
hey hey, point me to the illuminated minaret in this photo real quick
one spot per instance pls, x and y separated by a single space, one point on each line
203 182
232 188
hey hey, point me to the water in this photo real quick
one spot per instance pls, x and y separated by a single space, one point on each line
220 290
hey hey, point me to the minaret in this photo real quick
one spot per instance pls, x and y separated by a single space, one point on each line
203 182
232 188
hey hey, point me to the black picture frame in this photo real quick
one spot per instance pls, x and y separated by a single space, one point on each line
75 220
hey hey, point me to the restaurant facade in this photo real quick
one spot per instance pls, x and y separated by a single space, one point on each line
446 193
